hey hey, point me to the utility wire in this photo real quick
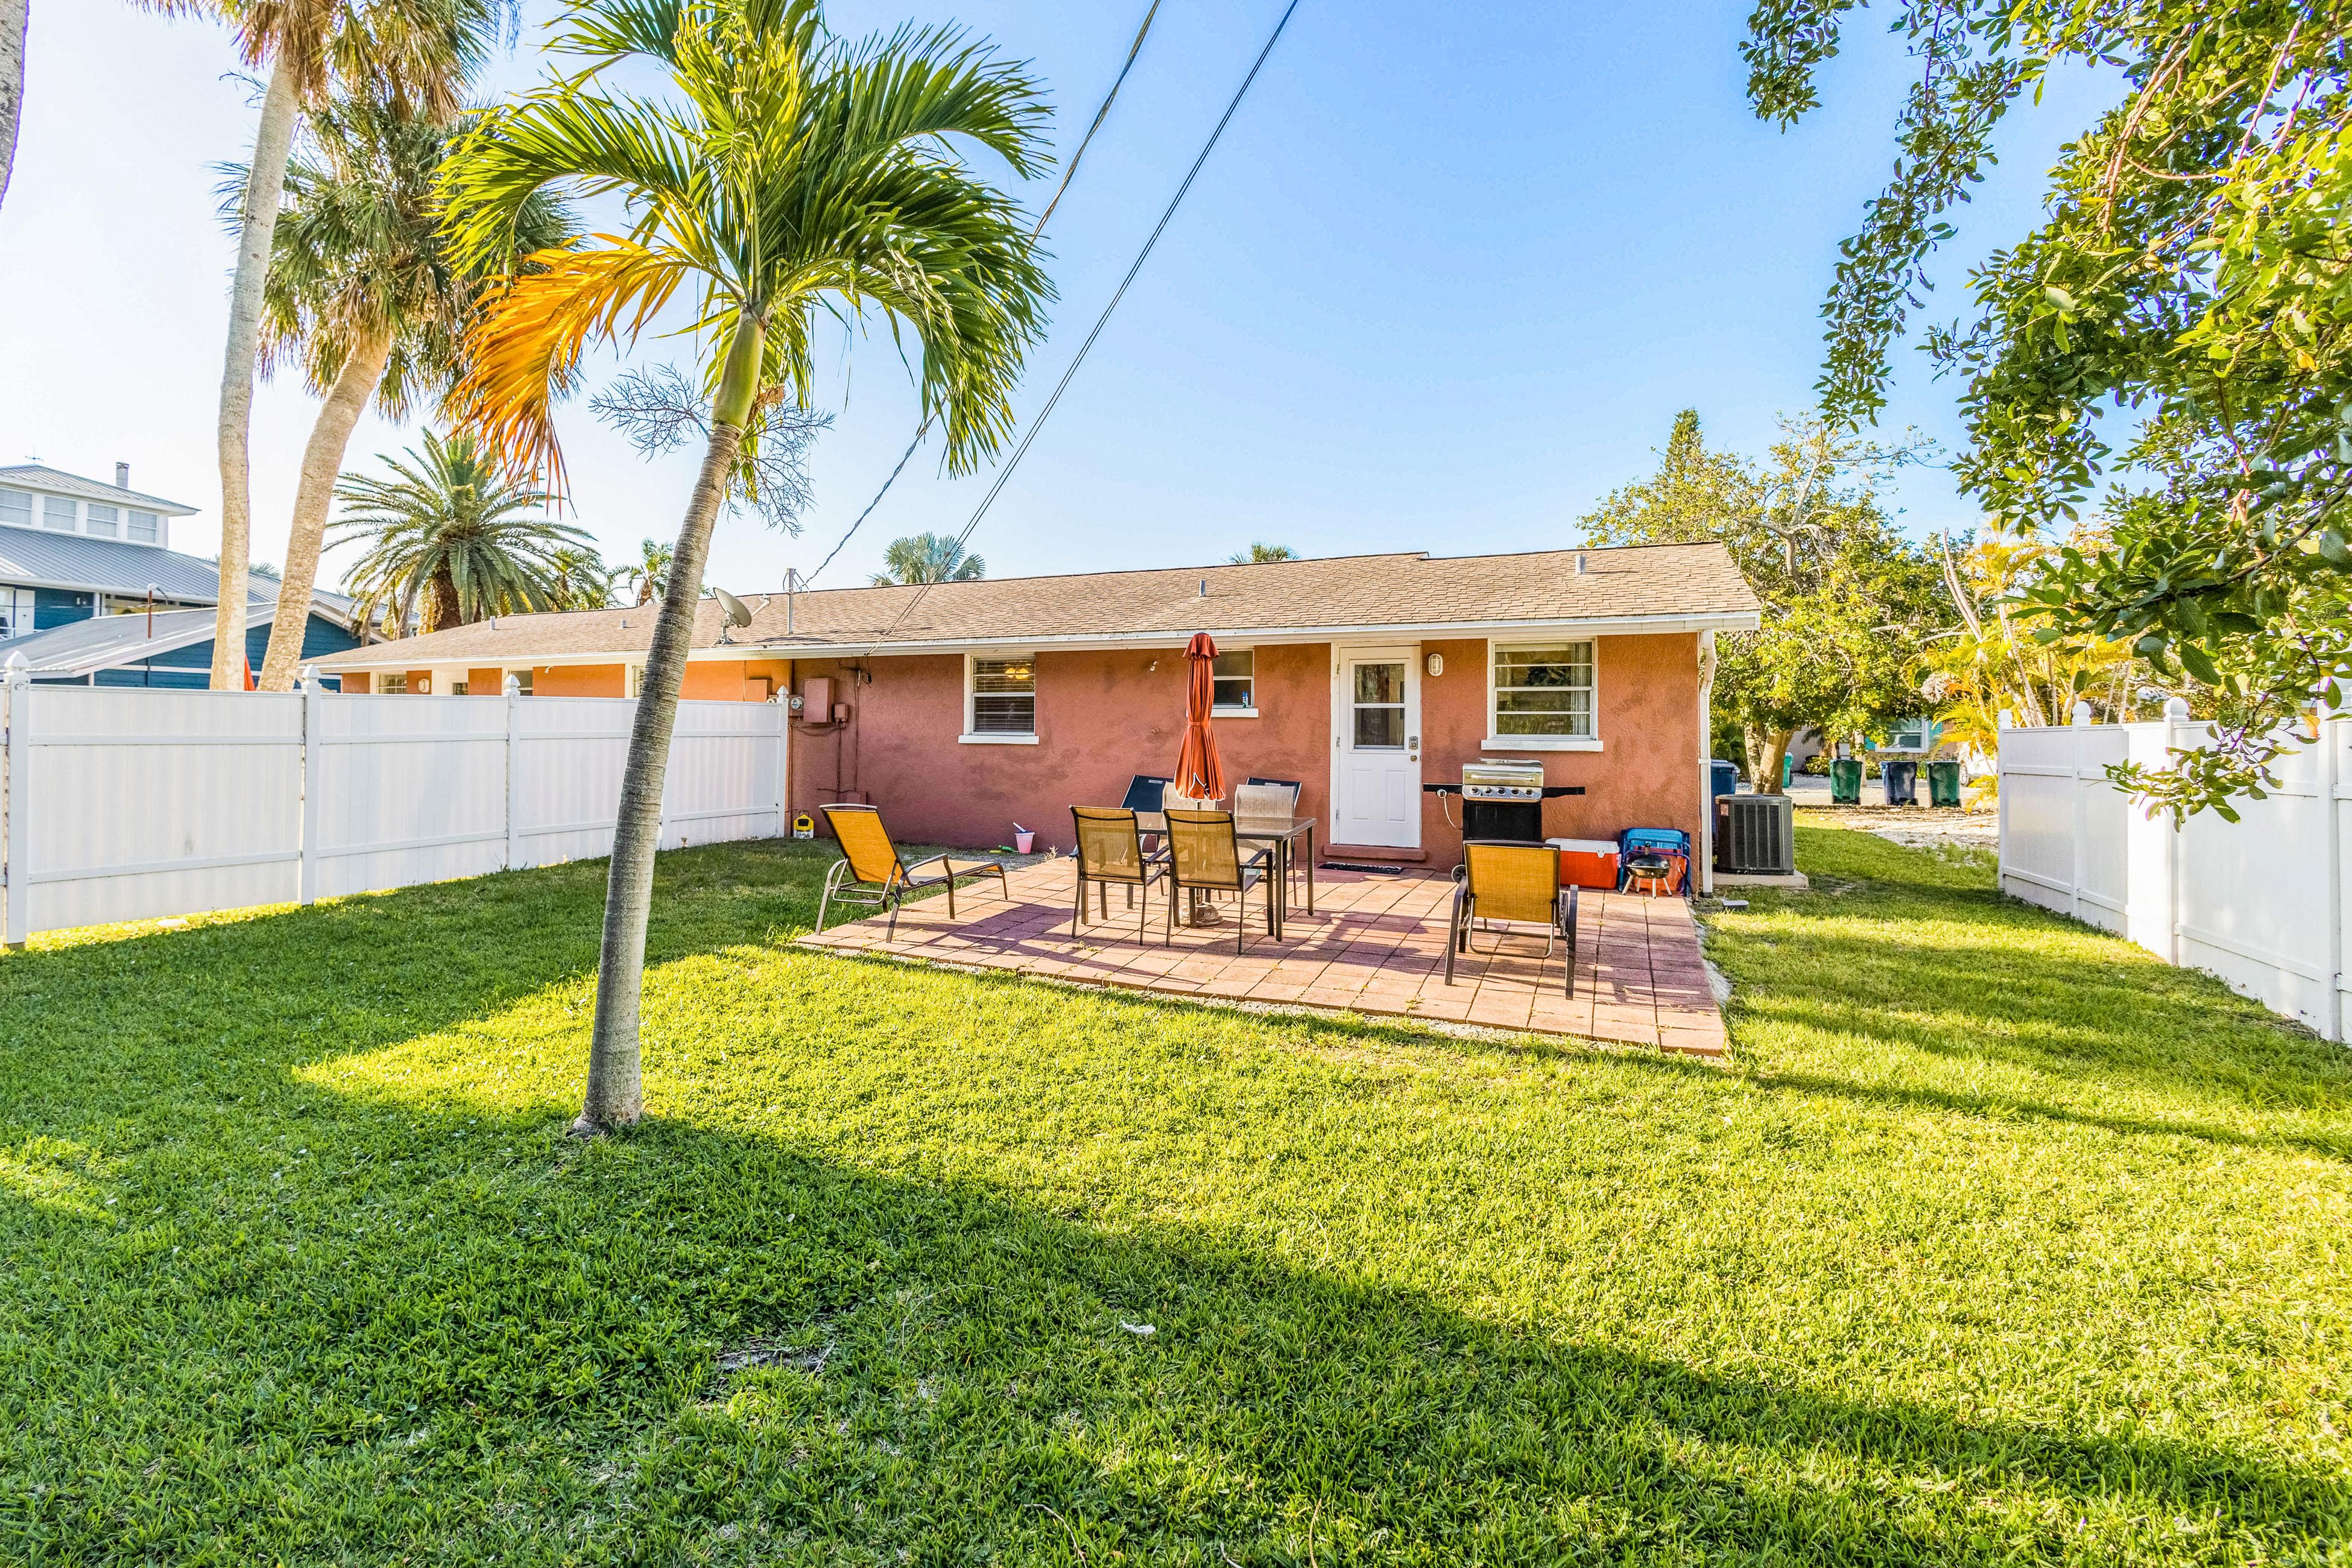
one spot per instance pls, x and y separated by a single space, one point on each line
1004 474
1069 173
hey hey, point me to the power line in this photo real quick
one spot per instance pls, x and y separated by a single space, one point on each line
1004 474
1069 173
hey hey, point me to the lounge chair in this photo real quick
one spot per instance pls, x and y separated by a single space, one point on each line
1204 855
1110 849
1511 882
870 862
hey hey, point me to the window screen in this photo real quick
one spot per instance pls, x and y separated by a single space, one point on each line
1004 697
1235 677
145 527
102 520
16 506
57 511
1544 689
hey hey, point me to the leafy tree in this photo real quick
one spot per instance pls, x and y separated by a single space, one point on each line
1847 601
1258 553
445 536
787 171
361 292
929 558
578 580
651 570
2189 268
417 54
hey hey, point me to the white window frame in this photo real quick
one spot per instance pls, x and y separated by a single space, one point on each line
134 519
1251 711
382 685
520 675
32 518
18 604
971 737
112 527
1497 742
72 514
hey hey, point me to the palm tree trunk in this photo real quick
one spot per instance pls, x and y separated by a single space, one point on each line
615 1094
258 223
322 460
14 16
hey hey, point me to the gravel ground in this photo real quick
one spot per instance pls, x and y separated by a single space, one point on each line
1920 827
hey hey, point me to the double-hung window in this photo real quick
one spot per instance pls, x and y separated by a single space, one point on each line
58 512
16 506
1234 675
146 528
1001 698
392 683
101 520
1544 692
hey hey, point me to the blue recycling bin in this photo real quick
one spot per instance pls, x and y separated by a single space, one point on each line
1724 778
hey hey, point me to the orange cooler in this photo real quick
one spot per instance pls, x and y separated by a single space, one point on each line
1587 862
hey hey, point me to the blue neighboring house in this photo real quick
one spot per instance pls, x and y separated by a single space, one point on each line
82 563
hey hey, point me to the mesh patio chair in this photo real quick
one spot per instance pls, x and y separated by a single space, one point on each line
1110 849
1271 798
1511 883
1205 857
871 866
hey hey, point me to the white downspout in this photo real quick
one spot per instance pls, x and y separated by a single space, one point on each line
1704 845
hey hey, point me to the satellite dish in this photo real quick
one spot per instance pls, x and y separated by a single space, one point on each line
738 613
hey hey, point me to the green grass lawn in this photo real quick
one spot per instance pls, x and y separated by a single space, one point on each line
1998 1242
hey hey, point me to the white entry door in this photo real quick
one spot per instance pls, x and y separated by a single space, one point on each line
1376 748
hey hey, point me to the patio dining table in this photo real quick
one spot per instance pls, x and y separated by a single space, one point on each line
1283 835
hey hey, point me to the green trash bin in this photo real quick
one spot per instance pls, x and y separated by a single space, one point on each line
1787 771
1846 781
1944 783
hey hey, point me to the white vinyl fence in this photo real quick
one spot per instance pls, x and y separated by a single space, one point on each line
2260 902
124 804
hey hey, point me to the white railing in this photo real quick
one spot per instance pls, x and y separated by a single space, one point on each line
2260 902
123 804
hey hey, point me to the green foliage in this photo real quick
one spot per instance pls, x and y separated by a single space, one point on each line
2192 269
649 573
2003 1243
578 579
929 558
1847 601
358 250
443 539
1257 555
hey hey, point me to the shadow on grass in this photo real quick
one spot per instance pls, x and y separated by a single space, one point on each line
519 1355
277 1320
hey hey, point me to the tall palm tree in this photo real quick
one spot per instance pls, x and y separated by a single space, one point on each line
651 570
417 53
361 291
788 170
444 537
1258 554
929 558
580 578
15 15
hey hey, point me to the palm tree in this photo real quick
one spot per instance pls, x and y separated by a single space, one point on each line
929 558
651 572
581 579
443 534
361 292
15 15
1258 554
418 54
790 168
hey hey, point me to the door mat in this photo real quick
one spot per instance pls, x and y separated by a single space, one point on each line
1358 866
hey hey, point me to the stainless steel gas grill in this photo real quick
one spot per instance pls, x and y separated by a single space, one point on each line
1501 797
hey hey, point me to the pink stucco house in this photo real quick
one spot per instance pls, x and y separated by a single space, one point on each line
964 708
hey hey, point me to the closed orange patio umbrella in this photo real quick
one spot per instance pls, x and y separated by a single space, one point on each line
1200 773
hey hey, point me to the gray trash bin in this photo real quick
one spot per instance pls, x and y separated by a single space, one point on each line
1902 780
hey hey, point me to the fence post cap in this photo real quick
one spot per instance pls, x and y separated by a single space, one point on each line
2083 715
18 663
2176 708
514 684
2008 720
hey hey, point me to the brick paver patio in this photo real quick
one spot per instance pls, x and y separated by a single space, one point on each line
1376 944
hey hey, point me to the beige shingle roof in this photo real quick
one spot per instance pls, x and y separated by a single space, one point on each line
1416 591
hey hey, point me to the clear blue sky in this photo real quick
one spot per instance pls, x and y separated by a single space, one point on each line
1443 284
